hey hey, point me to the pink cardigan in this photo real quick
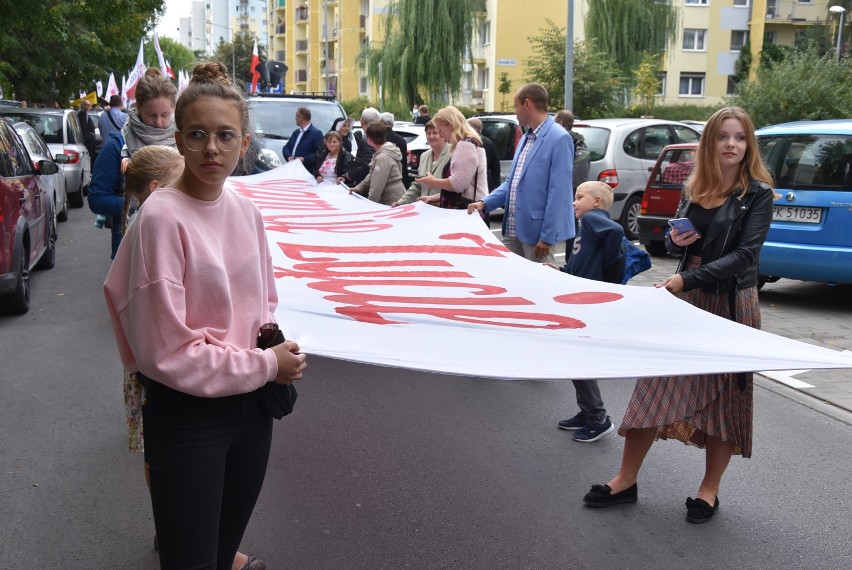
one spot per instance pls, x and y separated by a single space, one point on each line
188 290
467 159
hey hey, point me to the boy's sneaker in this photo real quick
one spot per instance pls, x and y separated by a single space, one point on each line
575 423
593 432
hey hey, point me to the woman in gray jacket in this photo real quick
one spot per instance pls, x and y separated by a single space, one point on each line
384 182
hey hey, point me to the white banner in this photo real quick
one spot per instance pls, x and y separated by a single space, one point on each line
429 289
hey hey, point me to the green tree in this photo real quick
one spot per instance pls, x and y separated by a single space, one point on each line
802 86
647 82
177 54
597 83
238 53
504 88
51 50
425 43
626 29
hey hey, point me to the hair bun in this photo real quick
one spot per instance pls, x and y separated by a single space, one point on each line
211 72
153 72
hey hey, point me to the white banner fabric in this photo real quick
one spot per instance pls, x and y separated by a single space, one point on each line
423 288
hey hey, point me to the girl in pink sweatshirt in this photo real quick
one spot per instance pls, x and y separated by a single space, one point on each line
189 289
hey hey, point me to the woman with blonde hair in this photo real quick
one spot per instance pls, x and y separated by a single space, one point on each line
728 202
466 178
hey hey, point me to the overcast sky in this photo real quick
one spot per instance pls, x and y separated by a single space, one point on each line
167 27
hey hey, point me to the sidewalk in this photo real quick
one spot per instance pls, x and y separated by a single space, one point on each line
815 313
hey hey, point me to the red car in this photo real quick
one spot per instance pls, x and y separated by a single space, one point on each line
662 195
27 220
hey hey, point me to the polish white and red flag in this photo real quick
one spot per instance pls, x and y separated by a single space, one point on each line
112 87
428 289
255 76
137 72
160 57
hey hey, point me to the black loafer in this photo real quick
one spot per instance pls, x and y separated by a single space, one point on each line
699 511
602 496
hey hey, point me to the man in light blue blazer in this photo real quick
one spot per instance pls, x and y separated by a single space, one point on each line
536 197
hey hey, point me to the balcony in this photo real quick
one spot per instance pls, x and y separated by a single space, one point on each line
301 76
302 15
326 35
331 68
301 46
793 12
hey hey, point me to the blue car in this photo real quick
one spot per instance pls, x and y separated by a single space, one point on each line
810 238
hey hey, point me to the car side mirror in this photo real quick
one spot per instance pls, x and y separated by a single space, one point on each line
61 158
48 167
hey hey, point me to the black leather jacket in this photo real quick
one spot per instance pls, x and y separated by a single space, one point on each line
731 246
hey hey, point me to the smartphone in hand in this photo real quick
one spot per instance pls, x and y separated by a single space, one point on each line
683 225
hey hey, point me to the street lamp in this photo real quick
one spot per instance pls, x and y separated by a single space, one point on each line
233 47
838 10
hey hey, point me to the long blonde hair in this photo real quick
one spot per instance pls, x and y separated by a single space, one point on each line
706 178
450 115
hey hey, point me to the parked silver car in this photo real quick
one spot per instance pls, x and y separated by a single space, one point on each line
61 131
623 153
54 183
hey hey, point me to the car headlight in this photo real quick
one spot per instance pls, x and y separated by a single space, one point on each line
267 160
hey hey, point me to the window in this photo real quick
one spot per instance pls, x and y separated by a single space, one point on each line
744 3
485 33
691 85
732 86
738 39
482 78
768 38
662 77
696 2
694 40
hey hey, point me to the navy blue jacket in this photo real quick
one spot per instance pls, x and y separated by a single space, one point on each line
309 145
597 248
106 191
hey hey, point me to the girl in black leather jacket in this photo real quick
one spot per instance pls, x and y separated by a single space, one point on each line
728 199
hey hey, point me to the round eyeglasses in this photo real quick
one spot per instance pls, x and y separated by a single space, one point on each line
196 140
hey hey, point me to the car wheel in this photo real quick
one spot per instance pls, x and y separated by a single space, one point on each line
48 259
62 213
629 217
656 248
18 301
75 200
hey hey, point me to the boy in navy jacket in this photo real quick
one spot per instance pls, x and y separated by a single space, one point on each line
596 255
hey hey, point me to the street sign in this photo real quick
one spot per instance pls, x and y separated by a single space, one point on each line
508 62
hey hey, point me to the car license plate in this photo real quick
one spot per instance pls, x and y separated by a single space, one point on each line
796 214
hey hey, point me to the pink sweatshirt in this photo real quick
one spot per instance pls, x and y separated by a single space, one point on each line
188 290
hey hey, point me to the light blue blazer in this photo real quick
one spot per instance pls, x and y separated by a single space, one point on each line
544 208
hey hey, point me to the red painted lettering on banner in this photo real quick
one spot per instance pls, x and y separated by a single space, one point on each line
588 298
282 194
479 247
342 292
514 319
348 222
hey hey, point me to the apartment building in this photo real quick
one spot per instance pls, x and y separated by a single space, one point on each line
700 66
320 40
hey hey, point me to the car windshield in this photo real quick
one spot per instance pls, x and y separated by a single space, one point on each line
49 126
276 118
596 138
818 162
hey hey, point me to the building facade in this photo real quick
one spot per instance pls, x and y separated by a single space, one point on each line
320 42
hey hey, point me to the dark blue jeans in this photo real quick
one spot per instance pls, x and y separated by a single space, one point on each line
208 458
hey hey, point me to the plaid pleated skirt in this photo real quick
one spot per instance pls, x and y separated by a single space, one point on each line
688 408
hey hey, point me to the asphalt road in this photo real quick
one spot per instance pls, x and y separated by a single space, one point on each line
386 468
